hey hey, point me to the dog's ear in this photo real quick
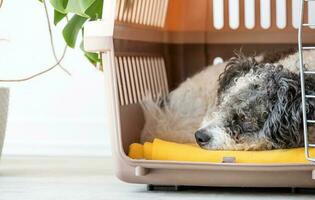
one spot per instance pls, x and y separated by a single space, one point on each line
236 67
284 123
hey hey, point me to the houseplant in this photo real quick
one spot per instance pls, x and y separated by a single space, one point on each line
75 13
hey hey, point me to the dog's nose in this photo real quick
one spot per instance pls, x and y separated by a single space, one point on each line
201 137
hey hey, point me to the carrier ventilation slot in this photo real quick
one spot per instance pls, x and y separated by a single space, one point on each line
263 14
143 12
305 96
139 76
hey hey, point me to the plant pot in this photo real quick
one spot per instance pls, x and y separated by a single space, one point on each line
4 105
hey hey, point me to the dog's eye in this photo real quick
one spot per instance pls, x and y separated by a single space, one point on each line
236 132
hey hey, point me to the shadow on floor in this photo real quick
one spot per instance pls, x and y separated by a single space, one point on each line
236 190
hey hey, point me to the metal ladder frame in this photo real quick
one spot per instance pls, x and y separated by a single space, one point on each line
302 73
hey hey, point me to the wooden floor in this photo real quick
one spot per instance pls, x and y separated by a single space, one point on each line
82 178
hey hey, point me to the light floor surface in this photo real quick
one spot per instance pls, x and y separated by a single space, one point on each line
86 178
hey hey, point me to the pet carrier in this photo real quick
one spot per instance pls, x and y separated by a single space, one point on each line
153 45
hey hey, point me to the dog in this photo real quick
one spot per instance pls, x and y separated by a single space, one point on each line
247 103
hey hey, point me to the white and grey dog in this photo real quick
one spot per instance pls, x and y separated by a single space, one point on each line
247 103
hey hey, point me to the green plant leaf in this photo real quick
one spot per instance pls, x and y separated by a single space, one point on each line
92 57
75 7
58 16
60 5
80 7
83 10
71 30
95 11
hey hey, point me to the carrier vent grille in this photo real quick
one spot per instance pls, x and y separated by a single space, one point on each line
138 76
264 14
144 12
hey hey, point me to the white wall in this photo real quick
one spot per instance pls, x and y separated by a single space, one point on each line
54 114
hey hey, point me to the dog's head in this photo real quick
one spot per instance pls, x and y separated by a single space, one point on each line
259 107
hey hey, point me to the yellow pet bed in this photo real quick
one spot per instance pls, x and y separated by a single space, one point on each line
163 150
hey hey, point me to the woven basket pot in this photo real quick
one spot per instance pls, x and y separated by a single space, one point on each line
4 104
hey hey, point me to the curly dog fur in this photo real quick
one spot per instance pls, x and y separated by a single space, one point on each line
248 103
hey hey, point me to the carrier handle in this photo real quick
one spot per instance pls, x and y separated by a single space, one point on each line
141 171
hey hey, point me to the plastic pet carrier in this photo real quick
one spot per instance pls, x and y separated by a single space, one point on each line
154 45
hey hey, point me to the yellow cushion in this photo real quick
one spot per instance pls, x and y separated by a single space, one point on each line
163 150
